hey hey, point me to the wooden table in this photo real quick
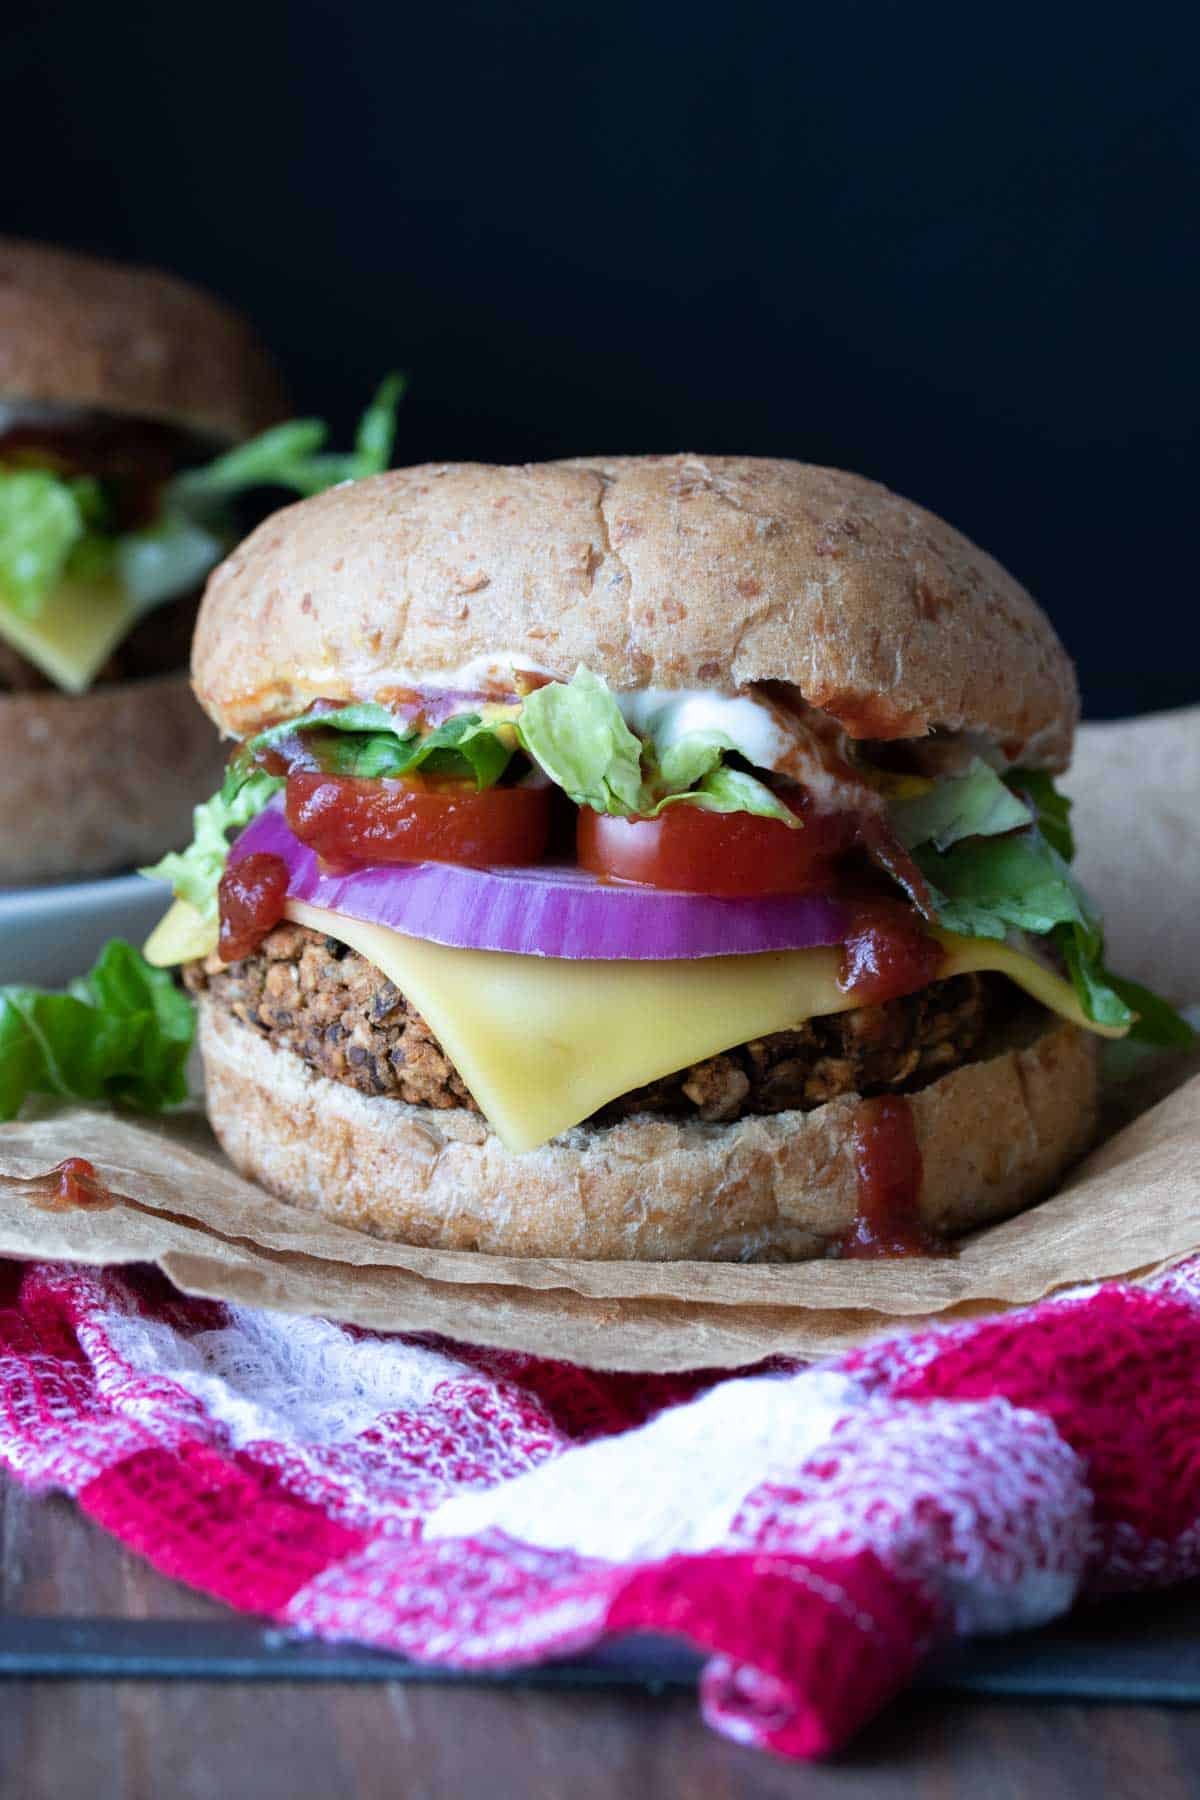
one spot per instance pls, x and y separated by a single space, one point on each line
199 1740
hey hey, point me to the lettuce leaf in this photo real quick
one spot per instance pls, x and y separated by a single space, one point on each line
974 804
987 887
195 873
119 1034
1053 810
42 520
577 735
574 731
1101 999
368 740
727 790
290 456
983 887
689 759
1157 1022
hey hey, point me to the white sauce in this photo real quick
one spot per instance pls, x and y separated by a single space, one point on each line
668 714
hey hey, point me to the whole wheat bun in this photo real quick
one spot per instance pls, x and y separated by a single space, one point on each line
77 331
97 782
994 1136
655 571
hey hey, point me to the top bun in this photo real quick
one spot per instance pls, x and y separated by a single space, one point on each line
76 331
655 571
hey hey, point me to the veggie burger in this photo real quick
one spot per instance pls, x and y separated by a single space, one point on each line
121 392
650 857
113 380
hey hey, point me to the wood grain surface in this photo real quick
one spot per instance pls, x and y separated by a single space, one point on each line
100 1740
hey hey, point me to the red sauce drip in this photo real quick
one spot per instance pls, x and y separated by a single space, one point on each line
72 1185
251 897
887 953
888 1162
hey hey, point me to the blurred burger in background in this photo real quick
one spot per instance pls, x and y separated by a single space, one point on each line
129 406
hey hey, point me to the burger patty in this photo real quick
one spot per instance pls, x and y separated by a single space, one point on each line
316 997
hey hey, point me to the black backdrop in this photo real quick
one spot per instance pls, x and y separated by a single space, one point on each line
953 247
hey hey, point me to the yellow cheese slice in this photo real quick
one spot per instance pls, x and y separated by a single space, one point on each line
183 934
75 632
543 1043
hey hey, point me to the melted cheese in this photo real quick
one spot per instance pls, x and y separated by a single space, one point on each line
542 1043
77 629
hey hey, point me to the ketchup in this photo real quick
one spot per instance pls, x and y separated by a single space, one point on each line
887 953
71 1185
251 896
887 1159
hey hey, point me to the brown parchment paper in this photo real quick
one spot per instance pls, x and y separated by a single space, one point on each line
1131 1208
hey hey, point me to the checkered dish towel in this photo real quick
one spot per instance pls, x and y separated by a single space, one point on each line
813 1531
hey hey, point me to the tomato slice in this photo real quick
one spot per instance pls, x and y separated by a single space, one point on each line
731 855
348 818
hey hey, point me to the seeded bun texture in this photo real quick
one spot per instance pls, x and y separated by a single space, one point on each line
656 571
77 331
994 1136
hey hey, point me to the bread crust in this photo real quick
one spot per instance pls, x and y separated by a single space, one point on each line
656 571
79 331
994 1136
102 781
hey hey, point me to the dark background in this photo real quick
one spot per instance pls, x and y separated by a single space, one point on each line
952 247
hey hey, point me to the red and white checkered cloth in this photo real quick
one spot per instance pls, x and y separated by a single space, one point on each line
812 1530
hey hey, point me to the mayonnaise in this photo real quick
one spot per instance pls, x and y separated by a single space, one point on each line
668 714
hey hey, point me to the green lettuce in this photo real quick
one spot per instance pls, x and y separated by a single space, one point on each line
727 790
120 1034
291 456
574 731
990 887
1052 809
984 887
689 759
1157 1021
195 873
577 735
44 519
974 804
366 739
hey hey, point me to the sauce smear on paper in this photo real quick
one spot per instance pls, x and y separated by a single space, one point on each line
71 1186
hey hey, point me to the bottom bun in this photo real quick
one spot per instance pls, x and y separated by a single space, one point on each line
97 782
994 1135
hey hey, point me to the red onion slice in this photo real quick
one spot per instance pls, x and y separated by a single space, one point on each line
546 909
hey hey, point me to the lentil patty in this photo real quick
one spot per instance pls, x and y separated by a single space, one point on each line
314 996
